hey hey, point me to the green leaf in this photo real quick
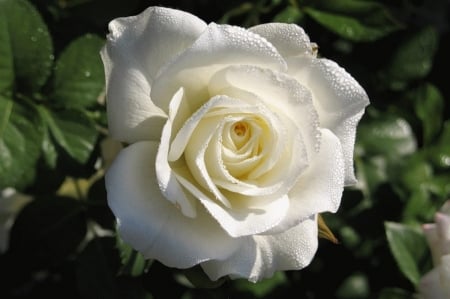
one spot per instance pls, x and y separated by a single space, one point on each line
371 173
133 262
429 106
95 270
72 130
263 288
419 207
20 141
290 14
415 172
6 59
412 60
359 21
439 153
26 49
49 152
408 246
390 136
79 78
48 230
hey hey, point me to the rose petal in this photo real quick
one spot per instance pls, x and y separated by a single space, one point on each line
443 230
218 47
279 92
430 285
167 181
136 49
432 237
289 39
152 38
445 274
338 98
260 256
316 190
150 223
240 220
282 152
184 134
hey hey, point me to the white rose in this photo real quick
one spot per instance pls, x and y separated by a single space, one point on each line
436 283
237 138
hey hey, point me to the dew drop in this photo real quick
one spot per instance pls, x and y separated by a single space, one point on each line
87 74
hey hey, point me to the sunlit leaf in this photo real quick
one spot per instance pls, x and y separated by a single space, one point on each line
26 49
72 130
79 78
360 21
20 142
133 262
408 246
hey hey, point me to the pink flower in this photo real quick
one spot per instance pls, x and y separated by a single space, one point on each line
436 283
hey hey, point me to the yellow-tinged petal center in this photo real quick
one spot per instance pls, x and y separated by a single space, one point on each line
240 128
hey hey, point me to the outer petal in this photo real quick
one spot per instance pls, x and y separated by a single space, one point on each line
136 49
443 230
150 223
260 256
218 47
434 242
339 99
430 285
317 191
289 39
445 274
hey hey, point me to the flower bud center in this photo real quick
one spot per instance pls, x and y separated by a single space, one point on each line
240 128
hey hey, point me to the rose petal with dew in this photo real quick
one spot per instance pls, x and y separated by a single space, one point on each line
137 48
279 92
219 46
260 256
153 225
315 191
339 99
288 39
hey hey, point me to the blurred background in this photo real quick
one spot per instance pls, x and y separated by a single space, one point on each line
54 149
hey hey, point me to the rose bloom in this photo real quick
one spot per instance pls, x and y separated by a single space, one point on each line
436 283
237 140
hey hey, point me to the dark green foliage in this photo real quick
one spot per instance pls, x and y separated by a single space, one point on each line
52 119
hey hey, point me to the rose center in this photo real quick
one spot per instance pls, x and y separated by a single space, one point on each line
240 128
